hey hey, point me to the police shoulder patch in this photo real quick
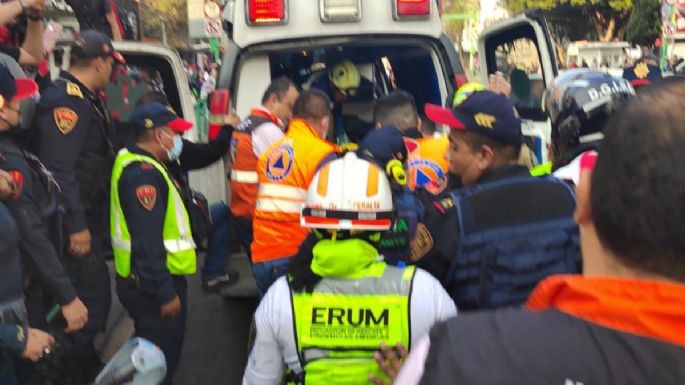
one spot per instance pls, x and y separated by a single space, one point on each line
65 119
421 244
74 90
147 196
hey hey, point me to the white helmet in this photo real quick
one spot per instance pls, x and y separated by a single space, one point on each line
348 194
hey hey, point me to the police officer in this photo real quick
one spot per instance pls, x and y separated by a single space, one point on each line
339 302
151 232
32 203
578 104
74 142
492 241
16 338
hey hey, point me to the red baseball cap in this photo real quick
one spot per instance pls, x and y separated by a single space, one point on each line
156 114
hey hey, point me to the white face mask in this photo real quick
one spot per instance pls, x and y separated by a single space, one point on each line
175 152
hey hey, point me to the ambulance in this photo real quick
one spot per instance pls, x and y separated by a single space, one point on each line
396 44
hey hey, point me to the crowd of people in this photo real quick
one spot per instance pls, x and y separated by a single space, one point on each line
408 256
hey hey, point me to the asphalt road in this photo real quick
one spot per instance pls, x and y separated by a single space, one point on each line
215 348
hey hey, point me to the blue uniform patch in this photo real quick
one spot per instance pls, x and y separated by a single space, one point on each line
280 163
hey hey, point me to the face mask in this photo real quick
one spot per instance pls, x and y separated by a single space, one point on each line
175 152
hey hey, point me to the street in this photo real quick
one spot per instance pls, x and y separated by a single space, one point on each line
215 347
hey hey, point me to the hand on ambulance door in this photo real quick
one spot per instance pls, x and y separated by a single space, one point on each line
76 315
390 360
499 84
80 243
171 308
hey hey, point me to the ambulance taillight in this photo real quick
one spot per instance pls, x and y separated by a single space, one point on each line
267 12
219 107
411 9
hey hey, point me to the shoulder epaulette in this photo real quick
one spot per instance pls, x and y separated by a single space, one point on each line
74 90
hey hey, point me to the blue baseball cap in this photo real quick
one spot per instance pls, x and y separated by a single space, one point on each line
642 73
153 115
91 44
484 113
383 145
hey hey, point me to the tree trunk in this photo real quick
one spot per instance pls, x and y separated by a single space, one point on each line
609 24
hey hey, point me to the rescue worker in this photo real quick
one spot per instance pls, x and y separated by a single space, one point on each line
426 166
285 171
622 320
477 242
16 338
74 141
342 82
340 301
578 105
263 127
151 233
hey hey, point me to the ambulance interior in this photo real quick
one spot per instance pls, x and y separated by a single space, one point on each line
387 65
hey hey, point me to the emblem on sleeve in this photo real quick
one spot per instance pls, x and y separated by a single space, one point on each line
65 119
147 196
18 184
421 244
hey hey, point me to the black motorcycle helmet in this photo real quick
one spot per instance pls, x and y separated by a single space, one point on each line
578 104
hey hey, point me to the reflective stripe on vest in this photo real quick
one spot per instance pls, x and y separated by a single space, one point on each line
241 176
178 240
343 321
285 171
501 258
244 177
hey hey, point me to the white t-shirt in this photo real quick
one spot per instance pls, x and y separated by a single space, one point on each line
275 340
263 136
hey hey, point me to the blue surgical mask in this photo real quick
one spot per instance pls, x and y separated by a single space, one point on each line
175 152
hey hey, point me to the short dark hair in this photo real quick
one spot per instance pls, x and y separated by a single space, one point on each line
312 105
638 190
396 109
506 151
278 86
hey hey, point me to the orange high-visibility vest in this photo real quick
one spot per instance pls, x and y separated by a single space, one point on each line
244 178
285 171
427 165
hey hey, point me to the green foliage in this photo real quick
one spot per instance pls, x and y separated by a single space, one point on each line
609 17
644 24
175 16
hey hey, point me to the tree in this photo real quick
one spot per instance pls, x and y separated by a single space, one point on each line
174 15
456 16
644 24
609 17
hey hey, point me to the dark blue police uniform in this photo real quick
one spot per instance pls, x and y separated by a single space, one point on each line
150 284
74 141
13 325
